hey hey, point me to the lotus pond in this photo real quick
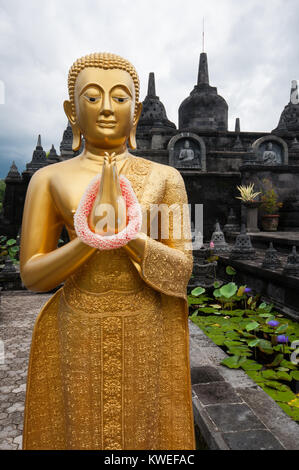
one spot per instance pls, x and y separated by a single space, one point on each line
257 339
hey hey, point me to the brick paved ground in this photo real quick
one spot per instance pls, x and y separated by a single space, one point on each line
17 315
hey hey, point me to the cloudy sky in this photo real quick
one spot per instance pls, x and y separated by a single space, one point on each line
252 50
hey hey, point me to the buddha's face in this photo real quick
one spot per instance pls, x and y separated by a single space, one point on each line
105 106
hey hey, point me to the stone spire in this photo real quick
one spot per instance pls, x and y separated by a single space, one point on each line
204 109
271 260
243 248
66 149
39 158
218 238
203 72
153 111
292 266
151 89
237 126
53 157
289 120
13 173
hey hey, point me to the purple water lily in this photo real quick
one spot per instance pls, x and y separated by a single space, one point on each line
273 323
247 290
282 339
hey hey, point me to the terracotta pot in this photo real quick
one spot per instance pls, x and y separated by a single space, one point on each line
270 222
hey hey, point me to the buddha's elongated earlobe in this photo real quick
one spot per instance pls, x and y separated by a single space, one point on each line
77 138
132 136
132 139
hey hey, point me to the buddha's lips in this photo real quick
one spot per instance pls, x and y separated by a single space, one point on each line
106 123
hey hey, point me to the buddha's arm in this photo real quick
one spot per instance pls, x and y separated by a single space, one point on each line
43 266
167 265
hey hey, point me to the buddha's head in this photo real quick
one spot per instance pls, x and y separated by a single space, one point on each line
103 104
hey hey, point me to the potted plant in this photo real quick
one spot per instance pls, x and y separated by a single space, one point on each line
248 198
270 207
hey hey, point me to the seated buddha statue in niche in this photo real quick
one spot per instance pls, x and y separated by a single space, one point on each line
109 360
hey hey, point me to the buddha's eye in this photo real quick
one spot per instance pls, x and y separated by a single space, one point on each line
120 99
92 99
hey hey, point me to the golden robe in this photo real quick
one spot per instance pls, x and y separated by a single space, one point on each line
109 361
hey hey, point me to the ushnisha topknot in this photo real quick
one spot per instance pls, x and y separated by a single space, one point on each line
104 60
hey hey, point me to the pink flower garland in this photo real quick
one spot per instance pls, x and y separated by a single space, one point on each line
108 242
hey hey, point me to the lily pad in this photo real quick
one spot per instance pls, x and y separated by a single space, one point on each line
198 291
252 326
229 290
251 365
279 396
233 362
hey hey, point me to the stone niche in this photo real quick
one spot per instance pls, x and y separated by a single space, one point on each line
187 150
270 151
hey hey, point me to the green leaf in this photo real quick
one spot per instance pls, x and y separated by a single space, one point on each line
217 293
292 412
256 376
282 329
295 374
251 365
252 326
230 271
198 291
233 362
253 343
229 290
218 339
14 249
269 374
209 310
263 306
284 376
265 346
288 365
10 242
194 314
218 284
279 396
277 385
277 360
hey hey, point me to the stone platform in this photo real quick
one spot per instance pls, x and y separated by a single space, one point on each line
282 241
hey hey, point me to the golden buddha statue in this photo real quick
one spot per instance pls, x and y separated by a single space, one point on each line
109 361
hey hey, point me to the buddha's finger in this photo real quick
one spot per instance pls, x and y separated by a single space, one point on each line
116 179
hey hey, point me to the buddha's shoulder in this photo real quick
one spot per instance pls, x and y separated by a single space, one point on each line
54 169
157 169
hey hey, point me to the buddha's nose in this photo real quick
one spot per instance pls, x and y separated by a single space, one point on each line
106 108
